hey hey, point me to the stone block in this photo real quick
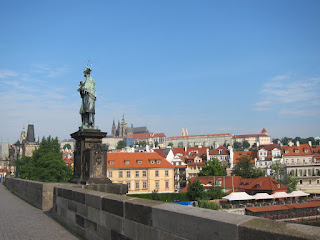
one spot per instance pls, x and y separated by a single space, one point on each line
82 210
129 229
111 221
140 210
72 206
114 204
103 232
60 192
90 225
93 200
80 220
168 236
67 193
94 214
118 236
196 223
91 236
147 232
268 229
79 197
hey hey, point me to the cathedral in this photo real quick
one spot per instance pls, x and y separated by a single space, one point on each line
123 130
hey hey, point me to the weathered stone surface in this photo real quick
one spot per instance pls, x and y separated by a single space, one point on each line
67 193
114 204
79 197
111 221
82 210
90 225
118 236
80 220
94 214
140 210
215 224
268 229
168 236
72 206
93 200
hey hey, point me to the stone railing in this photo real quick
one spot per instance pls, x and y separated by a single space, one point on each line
98 215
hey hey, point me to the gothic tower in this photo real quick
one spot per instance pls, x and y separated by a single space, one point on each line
113 130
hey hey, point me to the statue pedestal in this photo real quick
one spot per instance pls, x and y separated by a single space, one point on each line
90 161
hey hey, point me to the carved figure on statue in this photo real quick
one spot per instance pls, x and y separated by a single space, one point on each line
87 91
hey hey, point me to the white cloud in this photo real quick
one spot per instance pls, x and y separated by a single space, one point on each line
4 73
284 90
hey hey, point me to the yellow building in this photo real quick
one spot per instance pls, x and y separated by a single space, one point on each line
194 167
143 172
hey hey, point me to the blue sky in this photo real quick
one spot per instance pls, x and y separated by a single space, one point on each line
209 66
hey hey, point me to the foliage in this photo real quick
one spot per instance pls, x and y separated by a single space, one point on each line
180 144
208 205
291 183
237 145
156 144
67 145
46 163
164 197
286 140
246 144
155 195
170 144
276 140
121 144
195 190
215 192
142 143
213 168
276 170
245 169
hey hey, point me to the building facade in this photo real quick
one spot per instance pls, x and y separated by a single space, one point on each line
143 172
259 139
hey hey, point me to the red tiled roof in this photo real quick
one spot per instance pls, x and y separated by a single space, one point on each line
119 160
250 135
3 170
292 150
216 151
187 150
146 135
305 205
265 184
269 147
238 154
195 164
263 130
206 135
269 208
315 149
161 152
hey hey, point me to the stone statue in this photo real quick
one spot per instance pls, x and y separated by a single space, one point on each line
87 91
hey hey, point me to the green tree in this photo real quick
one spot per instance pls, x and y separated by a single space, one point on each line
121 144
275 141
237 145
156 144
276 170
67 145
46 163
180 144
213 168
286 140
246 144
170 144
142 143
215 192
291 183
105 146
195 190
245 169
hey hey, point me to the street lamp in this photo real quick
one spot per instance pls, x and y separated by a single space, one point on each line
17 145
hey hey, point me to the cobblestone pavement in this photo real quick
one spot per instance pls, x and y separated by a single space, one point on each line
21 221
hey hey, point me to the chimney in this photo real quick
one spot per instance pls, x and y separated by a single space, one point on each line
298 144
310 143
290 144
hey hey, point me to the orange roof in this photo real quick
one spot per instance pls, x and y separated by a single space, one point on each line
315 149
238 154
3 170
206 135
161 152
302 149
269 208
305 205
216 151
146 135
196 164
137 160
250 135
263 130
189 150
265 184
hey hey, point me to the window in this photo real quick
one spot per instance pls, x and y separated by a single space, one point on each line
167 184
128 173
318 181
129 185
144 185
157 184
137 173
126 162
110 174
111 162
300 182
144 173
137 185
139 162
158 161
166 173
152 161
310 182
157 173
120 174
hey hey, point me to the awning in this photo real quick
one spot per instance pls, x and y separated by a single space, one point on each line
298 194
312 191
281 195
238 196
261 196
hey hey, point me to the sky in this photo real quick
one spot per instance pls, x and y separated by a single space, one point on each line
208 66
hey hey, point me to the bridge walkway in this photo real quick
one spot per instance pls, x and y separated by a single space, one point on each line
21 221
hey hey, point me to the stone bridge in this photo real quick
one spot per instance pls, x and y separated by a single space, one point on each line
94 214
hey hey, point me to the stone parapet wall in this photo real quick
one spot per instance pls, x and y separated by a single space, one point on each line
98 215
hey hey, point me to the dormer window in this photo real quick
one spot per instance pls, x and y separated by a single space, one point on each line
278 185
257 186
152 161
111 162
306 150
139 162
296 151
158 161
126 162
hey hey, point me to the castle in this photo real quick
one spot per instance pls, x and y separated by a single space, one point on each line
123 130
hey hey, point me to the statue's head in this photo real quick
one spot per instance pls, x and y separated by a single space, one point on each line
86 71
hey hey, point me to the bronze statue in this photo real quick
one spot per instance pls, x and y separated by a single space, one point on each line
87 91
